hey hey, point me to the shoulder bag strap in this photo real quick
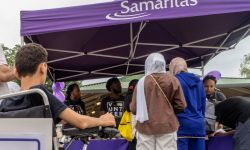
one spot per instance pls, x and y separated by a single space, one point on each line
162 91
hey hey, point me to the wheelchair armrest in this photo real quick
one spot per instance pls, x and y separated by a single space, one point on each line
81 132
105 132
109 133
109 130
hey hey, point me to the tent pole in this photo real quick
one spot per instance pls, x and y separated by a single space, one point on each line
241 37
111 74
216 36
62 51
108 56
138 72
156 44
202 67
30 38
131 39
133 49
161 51
131 46
68 70
111 67
96 51
137 65
138 36
224 41
22 41
245 33
141 28
187 46
205 39
110 48
205 47
65 58
52 75
63 78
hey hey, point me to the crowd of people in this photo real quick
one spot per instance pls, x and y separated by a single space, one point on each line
170 110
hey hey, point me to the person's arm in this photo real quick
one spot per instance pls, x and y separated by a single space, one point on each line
83 122
6 74
179 102
132 105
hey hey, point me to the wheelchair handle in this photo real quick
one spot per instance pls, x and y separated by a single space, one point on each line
31 91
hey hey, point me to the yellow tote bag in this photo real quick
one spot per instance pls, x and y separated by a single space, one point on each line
125 126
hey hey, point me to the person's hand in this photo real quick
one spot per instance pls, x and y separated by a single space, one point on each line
220 126
108 119
212 134
219 132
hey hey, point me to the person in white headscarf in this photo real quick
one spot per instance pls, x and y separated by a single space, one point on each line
191 133
156 100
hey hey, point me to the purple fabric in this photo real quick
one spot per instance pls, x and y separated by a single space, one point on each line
90 16
85 29
220 143
119 144
75 145
215 74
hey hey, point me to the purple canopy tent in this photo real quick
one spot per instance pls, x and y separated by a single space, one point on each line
114 38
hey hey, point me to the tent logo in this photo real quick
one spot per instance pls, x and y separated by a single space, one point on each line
143 8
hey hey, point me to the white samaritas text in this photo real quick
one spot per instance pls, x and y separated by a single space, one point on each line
155 5
133 10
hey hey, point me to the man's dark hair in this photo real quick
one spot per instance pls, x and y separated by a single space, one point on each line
29 57
132 84
209 77
70 88
110 82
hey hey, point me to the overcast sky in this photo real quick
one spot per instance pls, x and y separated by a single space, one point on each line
228 63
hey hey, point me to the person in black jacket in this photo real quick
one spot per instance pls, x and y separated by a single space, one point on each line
235 113
129 94
73 99
114 101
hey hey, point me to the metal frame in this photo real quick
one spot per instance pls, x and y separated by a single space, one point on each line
45 101
133 49
31 91
134 42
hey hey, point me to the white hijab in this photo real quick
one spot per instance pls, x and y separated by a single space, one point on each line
155 63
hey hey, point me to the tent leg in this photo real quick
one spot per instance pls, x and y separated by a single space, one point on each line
22 41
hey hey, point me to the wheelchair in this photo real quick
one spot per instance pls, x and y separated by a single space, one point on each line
86 135
35 125
30 128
